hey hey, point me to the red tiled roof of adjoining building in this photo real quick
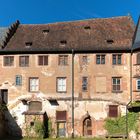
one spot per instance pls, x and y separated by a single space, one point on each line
103 34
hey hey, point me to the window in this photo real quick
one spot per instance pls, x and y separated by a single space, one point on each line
138 58
116 84
35 106
8 61
100 59
33 84
18 80
4 96
117 59
61 84
109 41
28 44
61 115
63 42
84 84
87 27
85 60
43 60
113 111
46 31
24 61
63 60
138 84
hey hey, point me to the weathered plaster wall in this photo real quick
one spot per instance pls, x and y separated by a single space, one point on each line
95 100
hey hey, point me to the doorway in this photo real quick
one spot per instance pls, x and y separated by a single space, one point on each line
61 129
87 127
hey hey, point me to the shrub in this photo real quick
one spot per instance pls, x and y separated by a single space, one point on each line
118 125
39 128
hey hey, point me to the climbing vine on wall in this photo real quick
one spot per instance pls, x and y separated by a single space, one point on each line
118 125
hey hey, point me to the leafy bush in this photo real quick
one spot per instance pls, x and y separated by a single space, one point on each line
39 129
118 125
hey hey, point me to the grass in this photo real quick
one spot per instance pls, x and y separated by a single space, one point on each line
74 139
59 139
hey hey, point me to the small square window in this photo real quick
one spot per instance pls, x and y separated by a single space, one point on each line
8 61
28 44
100 59
43 60
117 59
63 60
24 61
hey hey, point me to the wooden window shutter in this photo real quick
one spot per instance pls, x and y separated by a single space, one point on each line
45 60
61 115
138 58
113 111
40 60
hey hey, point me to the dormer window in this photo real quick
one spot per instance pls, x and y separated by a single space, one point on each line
87 27
63 42
28 44
110 41
46 31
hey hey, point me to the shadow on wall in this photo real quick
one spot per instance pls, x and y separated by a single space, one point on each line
11 127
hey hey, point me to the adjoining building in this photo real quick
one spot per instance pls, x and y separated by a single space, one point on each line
41 65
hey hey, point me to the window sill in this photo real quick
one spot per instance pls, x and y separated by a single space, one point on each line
61 92
84 91
34 91
120 91
136 90
63 65
117 64
136 64
24 66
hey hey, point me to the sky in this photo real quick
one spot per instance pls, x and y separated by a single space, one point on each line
50 11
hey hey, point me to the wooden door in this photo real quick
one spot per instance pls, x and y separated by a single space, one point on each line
87 127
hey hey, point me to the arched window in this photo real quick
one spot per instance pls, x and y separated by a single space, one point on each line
138 58
35 106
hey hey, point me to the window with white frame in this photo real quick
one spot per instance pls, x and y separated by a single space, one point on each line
116 83
33 84
138 84
61 84
18 80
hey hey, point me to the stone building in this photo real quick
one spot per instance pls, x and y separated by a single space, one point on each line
41 65
136 64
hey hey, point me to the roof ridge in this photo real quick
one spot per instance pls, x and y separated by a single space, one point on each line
73 21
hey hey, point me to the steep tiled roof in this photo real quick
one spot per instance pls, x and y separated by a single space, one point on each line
3 32
104 34
136 39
